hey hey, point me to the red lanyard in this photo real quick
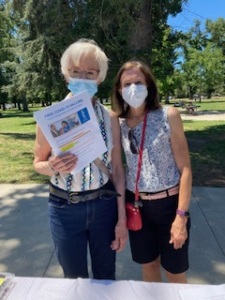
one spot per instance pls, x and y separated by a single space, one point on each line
140 159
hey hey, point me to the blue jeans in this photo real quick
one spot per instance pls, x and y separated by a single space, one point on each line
75 227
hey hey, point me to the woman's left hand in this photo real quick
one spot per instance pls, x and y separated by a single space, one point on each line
178 232
121 235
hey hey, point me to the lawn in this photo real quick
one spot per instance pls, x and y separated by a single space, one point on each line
214 104
17 135
206 142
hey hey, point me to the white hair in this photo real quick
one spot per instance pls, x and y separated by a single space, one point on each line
82 47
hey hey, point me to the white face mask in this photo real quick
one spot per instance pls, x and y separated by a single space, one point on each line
135 94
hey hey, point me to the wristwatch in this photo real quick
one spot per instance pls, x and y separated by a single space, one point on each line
182 213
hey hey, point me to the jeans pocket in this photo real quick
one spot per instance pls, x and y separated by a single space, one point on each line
56 201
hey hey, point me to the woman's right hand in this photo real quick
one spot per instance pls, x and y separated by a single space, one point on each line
64 163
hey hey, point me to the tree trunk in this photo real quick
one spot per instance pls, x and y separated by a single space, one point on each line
190 93
25 106
209 95
167 99
141 35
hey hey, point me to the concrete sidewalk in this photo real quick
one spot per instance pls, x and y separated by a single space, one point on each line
26 247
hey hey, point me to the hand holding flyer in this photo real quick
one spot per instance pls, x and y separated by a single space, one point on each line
71 126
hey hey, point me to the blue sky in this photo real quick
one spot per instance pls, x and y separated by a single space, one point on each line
198 9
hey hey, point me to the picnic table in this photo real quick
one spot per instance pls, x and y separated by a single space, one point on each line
190 108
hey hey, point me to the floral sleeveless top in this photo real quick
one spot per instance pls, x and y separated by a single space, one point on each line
158 170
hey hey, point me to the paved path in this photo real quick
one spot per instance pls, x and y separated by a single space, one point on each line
26 247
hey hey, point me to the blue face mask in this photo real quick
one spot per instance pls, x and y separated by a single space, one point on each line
76 86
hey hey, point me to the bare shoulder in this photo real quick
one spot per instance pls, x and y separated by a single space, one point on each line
175 120
173 115
112 114
115 125
173 112
114 118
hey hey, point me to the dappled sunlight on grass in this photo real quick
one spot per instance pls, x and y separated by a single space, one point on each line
206 141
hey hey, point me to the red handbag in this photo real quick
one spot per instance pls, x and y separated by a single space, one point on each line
134 220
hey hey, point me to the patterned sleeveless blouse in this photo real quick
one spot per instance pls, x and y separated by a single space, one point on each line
91 177
159 170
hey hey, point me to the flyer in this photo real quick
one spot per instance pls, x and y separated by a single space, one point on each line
71 126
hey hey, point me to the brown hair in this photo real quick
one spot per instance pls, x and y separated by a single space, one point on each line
152 100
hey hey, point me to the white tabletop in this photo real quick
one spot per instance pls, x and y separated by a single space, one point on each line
87 289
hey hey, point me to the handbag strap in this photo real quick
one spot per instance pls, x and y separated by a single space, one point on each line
140 161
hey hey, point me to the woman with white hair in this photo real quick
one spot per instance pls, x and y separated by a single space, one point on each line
86 209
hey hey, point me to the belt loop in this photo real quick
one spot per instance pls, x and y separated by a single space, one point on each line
167 193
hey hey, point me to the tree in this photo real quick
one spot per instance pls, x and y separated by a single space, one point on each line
164 59
203 70
40 39
5 43
137 29
125 30
212 69
203 61
216 31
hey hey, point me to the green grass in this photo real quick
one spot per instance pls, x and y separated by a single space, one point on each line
17 135
207 143
214 104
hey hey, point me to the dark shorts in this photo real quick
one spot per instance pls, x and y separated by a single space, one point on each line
152 241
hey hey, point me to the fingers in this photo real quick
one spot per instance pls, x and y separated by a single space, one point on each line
178 235
121 236
63 164
118 245
115 245
177 244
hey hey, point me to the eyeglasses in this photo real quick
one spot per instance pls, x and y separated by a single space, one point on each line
91 74
134 147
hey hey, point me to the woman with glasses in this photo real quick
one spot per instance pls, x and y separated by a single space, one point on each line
164 186
86 208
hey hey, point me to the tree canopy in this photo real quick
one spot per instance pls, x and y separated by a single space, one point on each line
34 34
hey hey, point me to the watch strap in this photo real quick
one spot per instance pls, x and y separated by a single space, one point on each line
182 213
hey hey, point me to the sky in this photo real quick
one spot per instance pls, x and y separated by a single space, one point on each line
200 10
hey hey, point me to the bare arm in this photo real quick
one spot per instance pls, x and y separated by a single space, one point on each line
46 164
119 182
181 156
